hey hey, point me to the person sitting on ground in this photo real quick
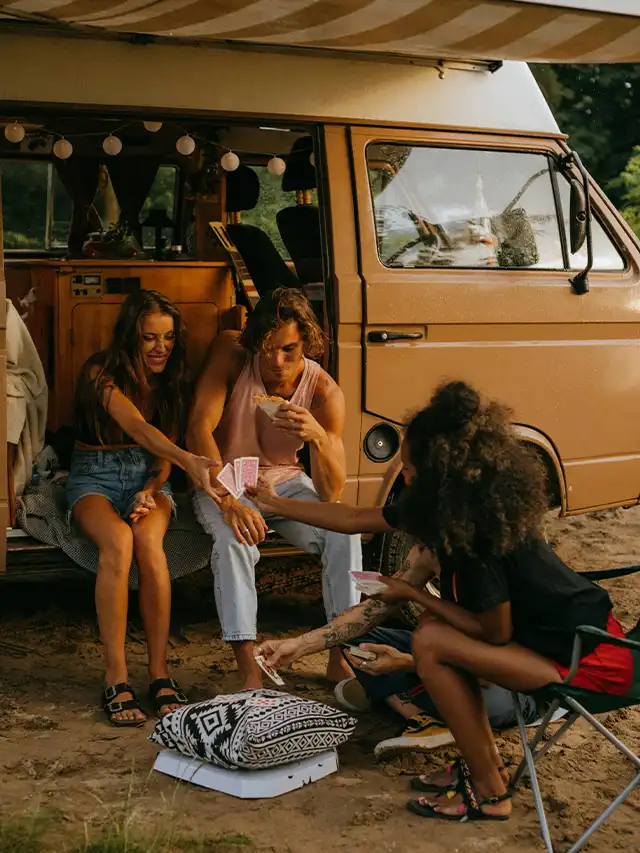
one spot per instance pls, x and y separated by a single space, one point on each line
509 607
273 356
391 677
128 400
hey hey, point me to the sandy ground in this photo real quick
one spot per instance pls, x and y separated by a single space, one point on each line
57 752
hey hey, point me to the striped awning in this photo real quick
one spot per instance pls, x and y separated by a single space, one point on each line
530 30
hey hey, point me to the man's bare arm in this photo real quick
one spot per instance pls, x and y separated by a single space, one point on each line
328 462
210 397
418 568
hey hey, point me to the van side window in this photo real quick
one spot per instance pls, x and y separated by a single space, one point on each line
455 207
272 199
605 254
36 208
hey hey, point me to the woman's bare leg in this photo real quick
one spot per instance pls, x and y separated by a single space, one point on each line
155 588
440 652
98 520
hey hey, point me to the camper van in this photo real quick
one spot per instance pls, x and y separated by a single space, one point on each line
405 171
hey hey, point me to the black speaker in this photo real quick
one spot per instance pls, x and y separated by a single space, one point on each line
381 443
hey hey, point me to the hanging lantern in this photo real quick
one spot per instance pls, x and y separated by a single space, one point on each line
14 132
112 145
312 159
63 149
276 166
186 145
230 161
152 126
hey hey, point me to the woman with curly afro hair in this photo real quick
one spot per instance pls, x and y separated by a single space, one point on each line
508 608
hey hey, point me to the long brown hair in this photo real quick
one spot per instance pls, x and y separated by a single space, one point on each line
121 365
283 305
478 489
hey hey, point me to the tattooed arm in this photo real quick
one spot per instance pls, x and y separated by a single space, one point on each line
419 566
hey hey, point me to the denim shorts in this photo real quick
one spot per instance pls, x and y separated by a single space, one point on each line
117 475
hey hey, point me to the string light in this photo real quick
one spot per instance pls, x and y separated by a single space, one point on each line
152 126
112 145
186 145
14 132
276 166
63 149
230 161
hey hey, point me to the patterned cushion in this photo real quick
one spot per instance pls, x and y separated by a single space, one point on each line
254 729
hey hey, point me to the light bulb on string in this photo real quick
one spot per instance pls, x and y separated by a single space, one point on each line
14 132
152 126
230 161
276 166
186 145
63 149
112 145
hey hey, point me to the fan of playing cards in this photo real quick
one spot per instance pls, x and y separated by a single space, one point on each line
243 472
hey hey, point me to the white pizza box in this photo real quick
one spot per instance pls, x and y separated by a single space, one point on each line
248 784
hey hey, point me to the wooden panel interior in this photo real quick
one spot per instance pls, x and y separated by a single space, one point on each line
92 325
68 326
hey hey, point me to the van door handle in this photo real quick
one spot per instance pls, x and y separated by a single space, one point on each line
384 336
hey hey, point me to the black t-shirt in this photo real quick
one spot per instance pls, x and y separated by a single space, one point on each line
548 599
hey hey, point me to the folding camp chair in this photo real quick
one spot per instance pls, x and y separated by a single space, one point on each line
580 704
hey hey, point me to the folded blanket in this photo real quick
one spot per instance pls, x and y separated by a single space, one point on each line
42 513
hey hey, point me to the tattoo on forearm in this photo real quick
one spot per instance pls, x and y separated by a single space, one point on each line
363 617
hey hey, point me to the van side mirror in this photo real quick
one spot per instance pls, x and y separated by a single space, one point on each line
577 217
579 220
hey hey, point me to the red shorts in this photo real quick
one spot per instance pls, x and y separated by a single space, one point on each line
607 669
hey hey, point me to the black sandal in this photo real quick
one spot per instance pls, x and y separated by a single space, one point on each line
175 698
111 707
459 765
469 809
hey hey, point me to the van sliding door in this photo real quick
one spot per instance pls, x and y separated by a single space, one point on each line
466 267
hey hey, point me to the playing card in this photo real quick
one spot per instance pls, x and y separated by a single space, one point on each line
370 587
249 466
237 471
269 670
370 583
228 479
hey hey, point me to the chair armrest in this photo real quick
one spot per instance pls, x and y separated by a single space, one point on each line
603 636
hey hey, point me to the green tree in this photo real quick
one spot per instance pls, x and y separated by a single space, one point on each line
598 106
630 182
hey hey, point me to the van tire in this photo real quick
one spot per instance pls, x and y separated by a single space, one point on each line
394 551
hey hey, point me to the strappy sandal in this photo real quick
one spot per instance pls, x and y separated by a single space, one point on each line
469 809
111 707
177 697
460 766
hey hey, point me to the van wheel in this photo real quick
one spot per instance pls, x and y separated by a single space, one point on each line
395 550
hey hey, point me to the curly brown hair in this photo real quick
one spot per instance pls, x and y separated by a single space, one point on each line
283 305
478 490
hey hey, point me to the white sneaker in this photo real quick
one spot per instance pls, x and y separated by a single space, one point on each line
351 696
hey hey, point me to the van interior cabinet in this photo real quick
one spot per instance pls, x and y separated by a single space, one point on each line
74 306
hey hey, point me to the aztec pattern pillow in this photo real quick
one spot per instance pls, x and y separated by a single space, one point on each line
254 729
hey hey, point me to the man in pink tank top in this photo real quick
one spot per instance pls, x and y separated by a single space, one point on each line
272 357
